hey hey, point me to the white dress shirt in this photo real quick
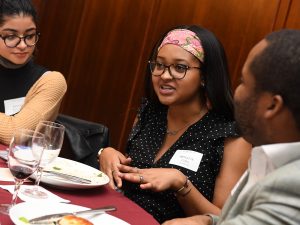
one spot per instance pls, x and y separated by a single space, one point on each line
267 158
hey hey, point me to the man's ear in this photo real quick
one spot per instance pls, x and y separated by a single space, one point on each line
275 104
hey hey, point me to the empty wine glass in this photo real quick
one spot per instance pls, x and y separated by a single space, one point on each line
24 155
54 136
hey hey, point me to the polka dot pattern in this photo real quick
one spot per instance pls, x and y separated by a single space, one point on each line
205 136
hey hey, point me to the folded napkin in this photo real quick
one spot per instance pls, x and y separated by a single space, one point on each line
5 175
51 197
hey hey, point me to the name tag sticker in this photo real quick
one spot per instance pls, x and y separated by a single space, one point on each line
187 159
13 106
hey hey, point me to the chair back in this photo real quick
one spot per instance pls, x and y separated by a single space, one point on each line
83 139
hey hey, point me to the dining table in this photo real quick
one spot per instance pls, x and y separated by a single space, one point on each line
103 195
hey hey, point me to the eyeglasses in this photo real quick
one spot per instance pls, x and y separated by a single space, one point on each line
13 40
177 71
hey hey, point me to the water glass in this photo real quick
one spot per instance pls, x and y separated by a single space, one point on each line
24 155
54 136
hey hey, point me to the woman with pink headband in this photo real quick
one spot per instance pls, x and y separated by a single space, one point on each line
184 153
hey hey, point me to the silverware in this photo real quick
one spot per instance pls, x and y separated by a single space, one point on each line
54 218
68 177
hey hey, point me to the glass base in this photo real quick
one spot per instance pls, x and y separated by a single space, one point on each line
35 193
4 208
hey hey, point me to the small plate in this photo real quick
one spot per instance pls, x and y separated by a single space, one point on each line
30 210
74 168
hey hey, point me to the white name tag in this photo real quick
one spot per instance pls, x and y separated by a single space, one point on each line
187 159
13 106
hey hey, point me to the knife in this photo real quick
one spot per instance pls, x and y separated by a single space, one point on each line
68 177
54 218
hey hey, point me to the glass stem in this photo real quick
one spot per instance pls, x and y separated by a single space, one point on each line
16 191
39 172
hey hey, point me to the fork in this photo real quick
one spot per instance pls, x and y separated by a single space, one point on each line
68 177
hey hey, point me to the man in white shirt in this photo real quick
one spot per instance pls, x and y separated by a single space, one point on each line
267 110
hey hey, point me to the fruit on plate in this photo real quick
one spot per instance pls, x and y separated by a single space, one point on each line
73 220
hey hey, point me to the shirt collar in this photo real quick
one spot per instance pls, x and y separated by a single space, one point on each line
10 65
281 154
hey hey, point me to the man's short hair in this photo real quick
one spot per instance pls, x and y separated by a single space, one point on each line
277 68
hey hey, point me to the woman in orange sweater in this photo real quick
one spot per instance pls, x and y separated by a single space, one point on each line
29 92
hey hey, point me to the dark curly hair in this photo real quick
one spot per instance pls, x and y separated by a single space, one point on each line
277 68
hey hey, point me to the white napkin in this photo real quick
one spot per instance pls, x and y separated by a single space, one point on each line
5 175
51 197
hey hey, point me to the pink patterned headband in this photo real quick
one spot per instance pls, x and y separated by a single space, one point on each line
185 39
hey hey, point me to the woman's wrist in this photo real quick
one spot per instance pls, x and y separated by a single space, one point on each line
185 189
99 153
179 179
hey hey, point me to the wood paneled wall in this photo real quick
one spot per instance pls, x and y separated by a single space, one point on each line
102 46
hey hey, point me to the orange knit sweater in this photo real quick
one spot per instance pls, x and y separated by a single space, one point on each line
42 102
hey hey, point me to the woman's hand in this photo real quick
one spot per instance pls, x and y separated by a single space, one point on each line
156 179
109 159
193 220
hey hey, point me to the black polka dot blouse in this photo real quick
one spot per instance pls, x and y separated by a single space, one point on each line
206 136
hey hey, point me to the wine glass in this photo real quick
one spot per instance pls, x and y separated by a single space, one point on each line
24 155
54 136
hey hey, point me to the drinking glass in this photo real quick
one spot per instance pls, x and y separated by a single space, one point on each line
24 155
54 136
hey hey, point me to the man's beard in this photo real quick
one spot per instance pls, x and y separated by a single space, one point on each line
244 113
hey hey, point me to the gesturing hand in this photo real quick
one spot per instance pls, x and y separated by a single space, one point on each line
193 220
109 159
156 179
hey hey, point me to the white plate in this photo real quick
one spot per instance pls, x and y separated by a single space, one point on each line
29 210
74 168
